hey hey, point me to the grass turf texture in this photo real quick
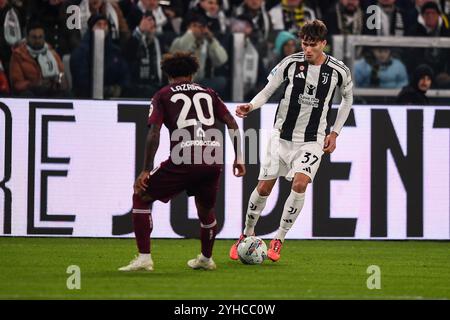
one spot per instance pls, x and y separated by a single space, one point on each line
36 268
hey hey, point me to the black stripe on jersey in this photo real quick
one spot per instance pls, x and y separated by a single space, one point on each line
333 63
298 88
299 55
323 86
285 76
340 80
330 105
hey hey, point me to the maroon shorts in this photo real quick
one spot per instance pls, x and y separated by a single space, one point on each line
199 180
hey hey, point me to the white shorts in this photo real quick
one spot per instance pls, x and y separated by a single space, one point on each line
286 158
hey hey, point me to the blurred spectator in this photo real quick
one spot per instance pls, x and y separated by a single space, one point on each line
434 24
445 6
52 14
11 30
199 40
261 23
431 22
226 5
125 6
215 17
253 70
291 15
285 45
119 28
345 17
392 20
115 74
378 69
4 85
412 14
145 8
415 92
143 54
36 70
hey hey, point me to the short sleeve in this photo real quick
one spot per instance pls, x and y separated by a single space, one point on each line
276 76
156 112
220 109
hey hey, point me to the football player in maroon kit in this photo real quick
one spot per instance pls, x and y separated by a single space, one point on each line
186 109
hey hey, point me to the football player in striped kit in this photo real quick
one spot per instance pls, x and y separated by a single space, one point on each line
298 138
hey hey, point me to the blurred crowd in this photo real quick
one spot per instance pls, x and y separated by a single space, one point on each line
46 46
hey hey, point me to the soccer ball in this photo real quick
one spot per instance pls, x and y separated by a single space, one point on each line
252 250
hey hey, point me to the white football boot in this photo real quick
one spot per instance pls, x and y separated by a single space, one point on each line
139 263
201 263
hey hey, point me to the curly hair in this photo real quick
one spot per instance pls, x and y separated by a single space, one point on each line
179 64
314 31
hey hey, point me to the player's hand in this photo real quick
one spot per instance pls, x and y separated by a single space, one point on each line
330 142
141 183
243 110
239 169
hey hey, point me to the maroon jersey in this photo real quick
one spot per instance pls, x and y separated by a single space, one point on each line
188 110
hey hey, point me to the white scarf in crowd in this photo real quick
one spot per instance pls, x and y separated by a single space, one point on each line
13 33
264 15
85 14
46 60
158 14
250 64
144 41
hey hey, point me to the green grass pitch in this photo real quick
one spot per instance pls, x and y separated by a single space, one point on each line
36 268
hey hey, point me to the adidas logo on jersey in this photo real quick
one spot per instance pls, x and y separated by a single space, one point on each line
300 75
307 169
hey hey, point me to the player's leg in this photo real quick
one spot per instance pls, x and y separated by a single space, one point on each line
292 208
205 192
305 160
256 205
208 231
143 226
165 182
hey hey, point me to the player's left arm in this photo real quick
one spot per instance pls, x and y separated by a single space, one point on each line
343 112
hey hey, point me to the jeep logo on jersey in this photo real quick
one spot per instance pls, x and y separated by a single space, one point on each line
311 89
325 77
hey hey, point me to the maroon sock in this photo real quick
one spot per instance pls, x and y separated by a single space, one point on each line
142 223
208 231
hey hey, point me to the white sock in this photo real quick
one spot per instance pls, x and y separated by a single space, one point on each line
203 258
145 256
256 205
291 211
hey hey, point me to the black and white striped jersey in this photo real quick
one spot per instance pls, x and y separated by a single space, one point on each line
308 94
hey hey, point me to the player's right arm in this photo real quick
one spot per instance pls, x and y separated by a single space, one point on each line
343 112
225 117
275 79
235 136
151 146
155 121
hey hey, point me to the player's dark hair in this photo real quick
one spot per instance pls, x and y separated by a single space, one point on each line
314 31
179 64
